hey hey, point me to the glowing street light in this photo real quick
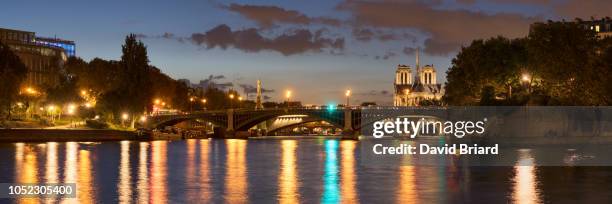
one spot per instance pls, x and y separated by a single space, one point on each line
231 96
191 99
288 95
203 100
240 98
157 102
143 119
124 117
525 78
348 95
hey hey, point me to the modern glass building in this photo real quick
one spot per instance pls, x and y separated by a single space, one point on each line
68 46
43 59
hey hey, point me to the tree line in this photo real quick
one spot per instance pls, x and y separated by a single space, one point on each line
110 88
557 63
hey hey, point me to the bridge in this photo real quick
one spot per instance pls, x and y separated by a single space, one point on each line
234 122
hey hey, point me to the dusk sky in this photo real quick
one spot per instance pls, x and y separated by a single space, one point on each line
317 49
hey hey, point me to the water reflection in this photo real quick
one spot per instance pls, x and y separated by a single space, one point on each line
51 165
143 176
349 193
190 169
26 171
85 187
205 194
525 182
406 186
125 187
219 171
330 175
287 179
236 167
158 177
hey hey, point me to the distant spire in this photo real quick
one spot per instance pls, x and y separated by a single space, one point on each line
258 104
417 76
417 58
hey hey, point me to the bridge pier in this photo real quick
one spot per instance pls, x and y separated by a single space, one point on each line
348 132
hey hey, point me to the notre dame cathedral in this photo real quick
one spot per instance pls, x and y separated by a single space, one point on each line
410 91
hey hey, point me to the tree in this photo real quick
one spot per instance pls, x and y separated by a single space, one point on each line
65 92
494 62
563 53
133 93
12 73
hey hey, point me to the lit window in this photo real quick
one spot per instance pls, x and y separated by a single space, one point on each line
596 28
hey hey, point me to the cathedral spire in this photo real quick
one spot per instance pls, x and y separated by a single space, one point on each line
417 76
417 58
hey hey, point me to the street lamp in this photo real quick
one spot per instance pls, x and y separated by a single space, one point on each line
348 95
231 96
288 96
51 109
71 110
191 104
124 117
526 79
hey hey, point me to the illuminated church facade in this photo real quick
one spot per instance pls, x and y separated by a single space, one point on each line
411 90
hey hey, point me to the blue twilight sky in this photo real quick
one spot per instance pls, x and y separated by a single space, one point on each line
317 49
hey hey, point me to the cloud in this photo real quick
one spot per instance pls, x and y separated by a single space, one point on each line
541 2
268 16
585 9
368 34
211 81
166 35
448 29
387 55
247 88
250 40
409 50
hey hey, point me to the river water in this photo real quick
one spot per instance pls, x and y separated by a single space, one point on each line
312 170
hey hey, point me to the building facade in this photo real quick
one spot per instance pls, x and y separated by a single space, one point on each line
602 27
43 60
412 90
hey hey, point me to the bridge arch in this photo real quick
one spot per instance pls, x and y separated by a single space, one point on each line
245 125
217 118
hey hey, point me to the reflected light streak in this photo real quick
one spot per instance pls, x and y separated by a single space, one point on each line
51 168
330 176
205 194
191 170
85 183
124 187
70 168
159 164
51 175
525 181
143 176
27 168
349 193
19 148
236 178
287 179
406 189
